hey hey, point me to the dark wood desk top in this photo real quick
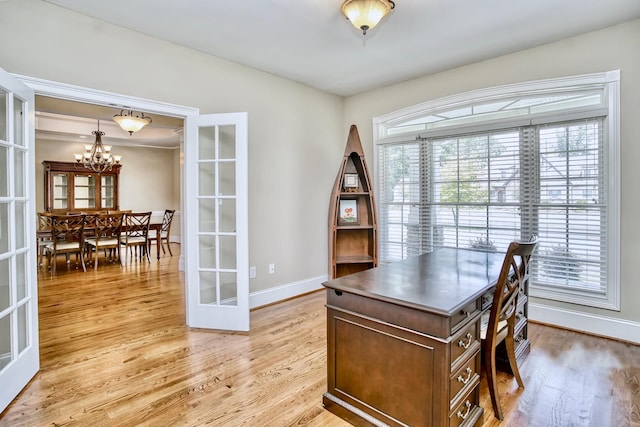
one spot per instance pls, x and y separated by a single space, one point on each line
440 282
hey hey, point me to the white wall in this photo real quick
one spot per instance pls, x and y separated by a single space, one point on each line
600 51
296 133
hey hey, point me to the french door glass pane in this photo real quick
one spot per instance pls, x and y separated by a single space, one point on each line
4 228
4 165
21 224
228 252
227 215
206 143
207 182
19 172
5 290
208 288
228 289
207 252
23 332
18 120
21 275
206 215
5 341
3 116
227 178
227 142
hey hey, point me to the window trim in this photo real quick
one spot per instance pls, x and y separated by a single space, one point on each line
609 82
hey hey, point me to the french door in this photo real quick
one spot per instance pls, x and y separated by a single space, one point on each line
217 256
19 351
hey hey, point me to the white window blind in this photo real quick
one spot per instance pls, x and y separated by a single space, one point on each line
482 185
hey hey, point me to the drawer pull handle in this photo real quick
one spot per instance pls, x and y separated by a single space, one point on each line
338 293
466 414
462 344
465 313
465 380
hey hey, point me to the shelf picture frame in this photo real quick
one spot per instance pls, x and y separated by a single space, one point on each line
348 212
351 182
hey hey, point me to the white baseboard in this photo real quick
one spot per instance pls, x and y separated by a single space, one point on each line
611 327
281 293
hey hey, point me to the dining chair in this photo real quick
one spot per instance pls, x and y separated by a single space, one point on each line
43 233
67 237
164 231
106 235
135 233
499 324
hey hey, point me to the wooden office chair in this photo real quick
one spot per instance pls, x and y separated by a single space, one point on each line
67 237
107 229
135 233
164 232
502 316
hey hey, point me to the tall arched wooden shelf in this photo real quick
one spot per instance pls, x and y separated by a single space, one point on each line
353 230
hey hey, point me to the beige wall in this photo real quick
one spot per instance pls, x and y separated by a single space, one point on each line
605 50
296 133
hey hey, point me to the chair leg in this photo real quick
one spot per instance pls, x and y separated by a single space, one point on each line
511 355
490 364
168 246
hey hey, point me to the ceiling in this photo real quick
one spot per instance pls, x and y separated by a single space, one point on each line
63 120
309 41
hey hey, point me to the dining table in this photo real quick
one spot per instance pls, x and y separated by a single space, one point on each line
43 233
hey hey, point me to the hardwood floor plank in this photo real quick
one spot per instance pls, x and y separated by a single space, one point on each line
115 351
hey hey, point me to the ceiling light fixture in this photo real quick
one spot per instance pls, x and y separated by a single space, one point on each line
131 122
366 14
97 157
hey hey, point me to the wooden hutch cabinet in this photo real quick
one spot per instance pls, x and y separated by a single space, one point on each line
70 187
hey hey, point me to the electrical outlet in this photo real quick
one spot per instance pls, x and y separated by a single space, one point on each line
252 272
272 268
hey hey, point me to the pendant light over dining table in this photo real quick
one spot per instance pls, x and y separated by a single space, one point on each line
97 157
366 14
131 122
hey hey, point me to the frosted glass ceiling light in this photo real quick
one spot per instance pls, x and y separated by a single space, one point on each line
366 14
131 122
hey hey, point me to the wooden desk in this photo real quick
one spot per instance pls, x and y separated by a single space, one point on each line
403 340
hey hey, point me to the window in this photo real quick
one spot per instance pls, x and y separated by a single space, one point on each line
539 158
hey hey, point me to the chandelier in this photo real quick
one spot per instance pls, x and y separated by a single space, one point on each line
366 14
97 157
131 122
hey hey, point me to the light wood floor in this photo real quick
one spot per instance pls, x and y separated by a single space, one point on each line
115 351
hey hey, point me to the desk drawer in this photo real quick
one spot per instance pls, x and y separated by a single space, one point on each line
464 378
468 412
467 312
464 343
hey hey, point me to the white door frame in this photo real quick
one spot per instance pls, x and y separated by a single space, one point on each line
117 101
